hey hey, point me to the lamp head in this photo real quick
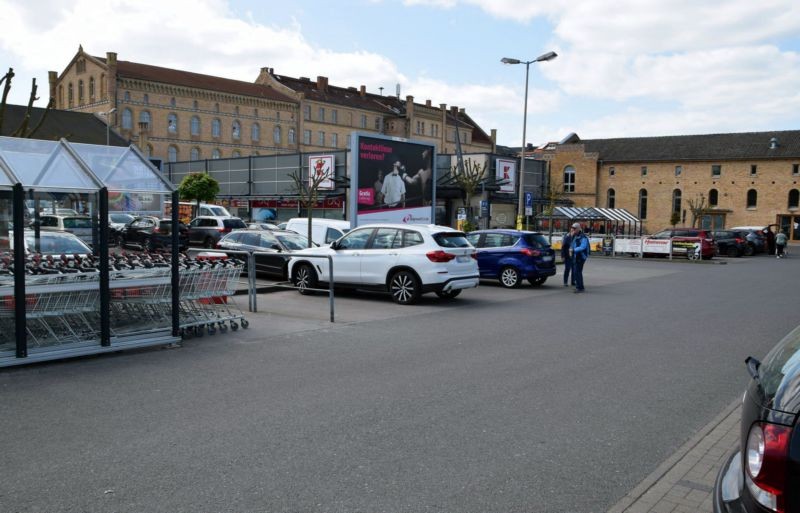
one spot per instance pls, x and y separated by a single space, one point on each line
549 56
507 60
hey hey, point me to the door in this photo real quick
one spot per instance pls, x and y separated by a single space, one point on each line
491 252
380 256
347 256
268 260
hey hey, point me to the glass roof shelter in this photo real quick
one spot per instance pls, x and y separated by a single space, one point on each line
59 316
599 221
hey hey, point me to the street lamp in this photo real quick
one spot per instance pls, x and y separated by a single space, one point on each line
108 122
549 56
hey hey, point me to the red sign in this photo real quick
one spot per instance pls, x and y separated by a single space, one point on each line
335 202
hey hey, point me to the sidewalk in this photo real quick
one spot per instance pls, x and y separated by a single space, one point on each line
684 483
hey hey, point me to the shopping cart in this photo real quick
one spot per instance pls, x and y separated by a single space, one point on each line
204 300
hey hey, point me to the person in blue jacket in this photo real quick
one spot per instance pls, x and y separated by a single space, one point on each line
579 252
566 246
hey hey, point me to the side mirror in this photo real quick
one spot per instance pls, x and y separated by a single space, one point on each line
335 245
275 247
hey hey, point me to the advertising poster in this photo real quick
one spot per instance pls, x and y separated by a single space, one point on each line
392 181
506 170
322 166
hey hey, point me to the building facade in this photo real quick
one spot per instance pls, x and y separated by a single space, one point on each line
743 179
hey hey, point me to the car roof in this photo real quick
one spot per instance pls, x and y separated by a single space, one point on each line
432 228
509 231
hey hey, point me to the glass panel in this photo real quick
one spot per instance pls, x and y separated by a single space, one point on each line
45 164
122 169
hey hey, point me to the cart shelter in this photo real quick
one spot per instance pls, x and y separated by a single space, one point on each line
47 317
596 220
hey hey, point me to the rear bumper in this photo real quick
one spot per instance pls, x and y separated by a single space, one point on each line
727 497
461 282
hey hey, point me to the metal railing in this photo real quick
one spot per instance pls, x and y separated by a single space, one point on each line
252 286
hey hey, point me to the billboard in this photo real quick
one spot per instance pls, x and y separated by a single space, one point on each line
506 169
392 180
321 167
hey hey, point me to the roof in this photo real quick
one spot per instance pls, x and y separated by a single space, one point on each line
80 127
348 97
748 145
608 214
150 73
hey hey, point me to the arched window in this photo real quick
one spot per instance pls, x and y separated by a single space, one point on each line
752 198
643 204
713 198
144 117
276 134
676 200
172 123
146 99
61 96
236 154
194 105
172 154
172 101
216 107
216 127
255 132
236 130
127 96
127 119
215 153
611 198
794 198
195 154
91 88
195 126
291 136
569 179
70 95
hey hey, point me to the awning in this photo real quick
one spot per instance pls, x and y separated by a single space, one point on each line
596 213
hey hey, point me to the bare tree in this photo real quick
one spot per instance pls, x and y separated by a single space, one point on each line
698 208
22 129
307 191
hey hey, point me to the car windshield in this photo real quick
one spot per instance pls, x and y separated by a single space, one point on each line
234 223
780 374
77 222
57 245
536 240
452 240
294 242
218 211
121 218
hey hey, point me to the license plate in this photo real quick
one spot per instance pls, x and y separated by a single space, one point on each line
547 258
462 258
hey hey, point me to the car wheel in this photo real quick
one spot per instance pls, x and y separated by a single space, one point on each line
449 294
146 245
749 250
537 281
509 277
305 278
208 243
404 288
733 251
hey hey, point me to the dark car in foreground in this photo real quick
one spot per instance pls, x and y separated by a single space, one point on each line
512 256
151 234
763 475
270 245
729 243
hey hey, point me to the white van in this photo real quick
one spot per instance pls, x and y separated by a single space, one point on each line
323 231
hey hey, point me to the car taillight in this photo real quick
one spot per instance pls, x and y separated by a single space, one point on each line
223 230
739 241
217 246
530 252
439 256
765 460
474 255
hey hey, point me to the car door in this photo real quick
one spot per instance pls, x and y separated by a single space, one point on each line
347 256
479 241
195 233
380 256
490 254
269 260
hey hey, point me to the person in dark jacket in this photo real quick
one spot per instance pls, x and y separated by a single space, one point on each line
580 252
566 244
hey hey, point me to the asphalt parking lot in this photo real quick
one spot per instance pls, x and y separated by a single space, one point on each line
522 400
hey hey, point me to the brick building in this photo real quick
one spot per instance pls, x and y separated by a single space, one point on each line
744 179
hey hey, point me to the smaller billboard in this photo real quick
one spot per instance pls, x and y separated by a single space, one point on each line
322 167
506 170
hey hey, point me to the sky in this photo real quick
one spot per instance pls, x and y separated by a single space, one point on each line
629 68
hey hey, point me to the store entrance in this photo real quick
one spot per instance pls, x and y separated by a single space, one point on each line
790 226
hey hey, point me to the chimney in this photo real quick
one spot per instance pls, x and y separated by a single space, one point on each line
111 78
454 110
427 103
322 83
409 106
461 110
493 137
52 77
363 91
773 143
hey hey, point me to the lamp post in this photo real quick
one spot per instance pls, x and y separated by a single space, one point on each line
549 56
107 115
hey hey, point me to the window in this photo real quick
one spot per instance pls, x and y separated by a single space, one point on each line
335 140
146 99
378 125
172 154
80 66
752 198
236 110
794 198
291 136
127 96
91 88
753 169
321 138
172 123
127 119
255 132
356 239
194 105
172 102
144 117
322 113
195 126
215 153
70 94
363 121
644 170
569 179
216 107
334 116
611 198
796 169
61 95
306 136
643 204
307 112
236 129
716 171
612 171
148 152
102 85
80 91
195 154
384 238
678 170
276 134
676 200
419 123
216 127
713 198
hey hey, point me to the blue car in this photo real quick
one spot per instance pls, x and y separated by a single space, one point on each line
512 255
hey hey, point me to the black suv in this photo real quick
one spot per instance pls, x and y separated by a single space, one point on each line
729 243
208 230
152 233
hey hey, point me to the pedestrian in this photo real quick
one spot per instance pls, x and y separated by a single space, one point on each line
566 245
780 243
770 240
579 251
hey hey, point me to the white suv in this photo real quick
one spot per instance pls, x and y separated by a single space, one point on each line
404 260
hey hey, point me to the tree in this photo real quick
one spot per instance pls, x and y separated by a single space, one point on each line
22 129
469 178
198 187
698 208
675 218
307 191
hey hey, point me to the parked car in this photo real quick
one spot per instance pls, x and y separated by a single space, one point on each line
729 243
512 256
684 239
763 474
756 240
270 244
323 231
116 225
50 243
152 233
404 260
76 224
262 226
208 230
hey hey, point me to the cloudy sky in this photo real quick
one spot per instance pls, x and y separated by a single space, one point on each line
626 68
